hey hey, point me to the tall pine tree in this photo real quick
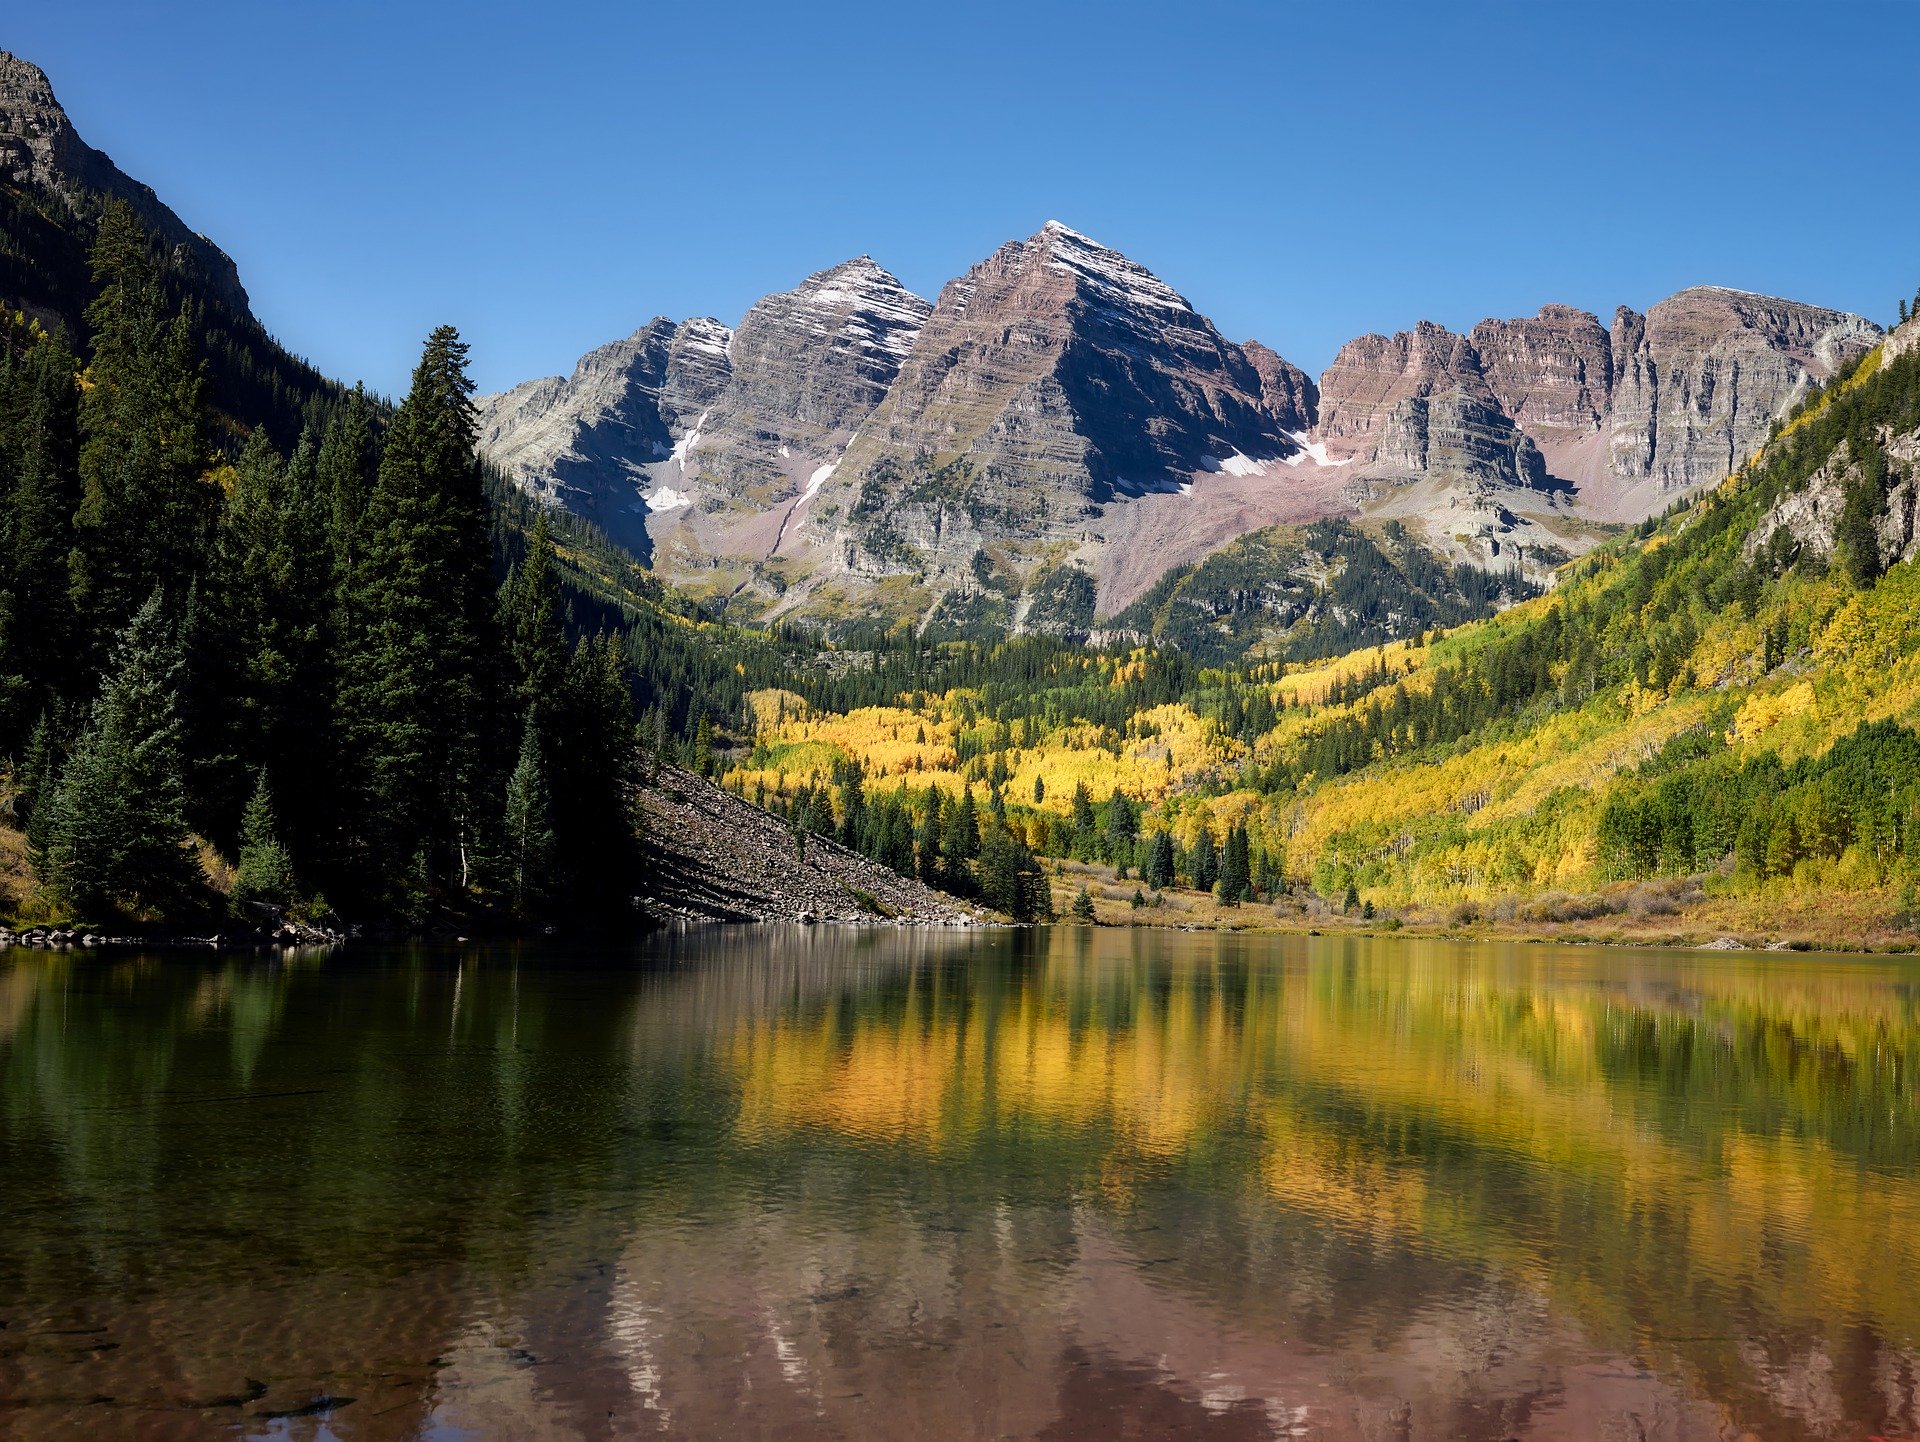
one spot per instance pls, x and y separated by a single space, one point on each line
417 684
116 834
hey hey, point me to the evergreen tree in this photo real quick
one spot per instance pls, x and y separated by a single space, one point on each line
1266 873
1008 876
1083 905
703 748
960 841
1203 867
416 674
117 829
928 858
147 505
853 809
593 767
530 839
1159 870
348 464
38 772
265 872
1123 824
1084 831
260 659
1234 884
531 619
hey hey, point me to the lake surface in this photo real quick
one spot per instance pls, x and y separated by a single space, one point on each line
1071 1184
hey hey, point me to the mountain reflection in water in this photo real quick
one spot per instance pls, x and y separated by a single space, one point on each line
1054 1184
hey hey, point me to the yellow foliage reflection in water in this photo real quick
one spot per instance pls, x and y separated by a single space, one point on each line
1739 1125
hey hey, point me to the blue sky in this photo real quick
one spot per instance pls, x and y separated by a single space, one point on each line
549 177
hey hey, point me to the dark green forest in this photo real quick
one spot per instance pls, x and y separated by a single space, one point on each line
314 659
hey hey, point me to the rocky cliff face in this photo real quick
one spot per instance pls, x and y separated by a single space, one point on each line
1510 442
1701 376
678 439
1420 404
1062 420
1292 398
1054 384
597 441
807 367
39 147
1680 395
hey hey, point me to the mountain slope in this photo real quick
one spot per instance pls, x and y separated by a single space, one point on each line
53 186
1062 424
694 445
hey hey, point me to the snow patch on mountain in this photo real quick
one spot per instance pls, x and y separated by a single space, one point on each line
815 482
683 447
1236 464
1315 451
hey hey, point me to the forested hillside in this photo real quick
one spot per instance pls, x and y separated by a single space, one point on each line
235 675
1716 711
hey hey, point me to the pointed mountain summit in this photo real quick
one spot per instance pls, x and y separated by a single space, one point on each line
1059 367
689 440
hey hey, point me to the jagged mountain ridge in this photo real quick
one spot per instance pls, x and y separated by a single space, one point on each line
684 431
1061 407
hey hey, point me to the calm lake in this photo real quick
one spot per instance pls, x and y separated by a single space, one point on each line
1056 1184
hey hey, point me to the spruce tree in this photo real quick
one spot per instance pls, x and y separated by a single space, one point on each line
117 830
1159 869
530 840
960 840
1010 879
417 677
261 651
1083 823
1236 878
593 769
348 464
531 618
35 779
1204 866
265 871
1083 905
1123 824
928 857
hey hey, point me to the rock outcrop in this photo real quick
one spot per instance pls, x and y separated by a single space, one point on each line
597 441
679 437
1292 398
1678 397
39 147
1702 375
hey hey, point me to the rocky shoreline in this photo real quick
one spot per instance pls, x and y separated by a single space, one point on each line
62 938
